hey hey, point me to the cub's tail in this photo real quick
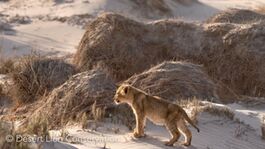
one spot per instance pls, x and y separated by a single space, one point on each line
186 117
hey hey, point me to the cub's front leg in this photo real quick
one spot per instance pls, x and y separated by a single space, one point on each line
140 122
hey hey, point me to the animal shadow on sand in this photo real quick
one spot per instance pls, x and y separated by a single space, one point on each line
160 144
57 145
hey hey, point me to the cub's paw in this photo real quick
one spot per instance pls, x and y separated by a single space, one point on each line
138 135
168 143
185 143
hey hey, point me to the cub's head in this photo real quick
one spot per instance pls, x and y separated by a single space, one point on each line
123 94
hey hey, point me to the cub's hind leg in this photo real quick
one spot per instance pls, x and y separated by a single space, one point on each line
185 131
172 127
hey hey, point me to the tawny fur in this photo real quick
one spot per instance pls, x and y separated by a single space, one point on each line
158 111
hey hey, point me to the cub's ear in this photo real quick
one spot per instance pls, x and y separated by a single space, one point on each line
118 84
126 88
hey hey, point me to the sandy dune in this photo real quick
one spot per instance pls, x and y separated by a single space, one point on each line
215 133
48 33
53 37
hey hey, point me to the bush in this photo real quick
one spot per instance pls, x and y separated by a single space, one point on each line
126 47
263 128
84 93
233 54
6 66
240 16
7 129
178 80
37 76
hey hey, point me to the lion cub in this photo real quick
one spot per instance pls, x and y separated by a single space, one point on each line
157 110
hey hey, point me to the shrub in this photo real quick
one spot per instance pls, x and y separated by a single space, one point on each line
6 66
7 129
240 16
37 76
69 102
175 80
218 110
263 128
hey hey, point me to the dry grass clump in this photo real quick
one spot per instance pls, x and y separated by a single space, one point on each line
126 47
240 16
193 104
263 128
8 130
6 66
197 106
233 54
38 126
1 91
76 96
122 114
155 9
5 101
37 76
189 103
152 8
176 80
186 2
74 20
240 62
84 121
134 47
218 111
4 25
98 113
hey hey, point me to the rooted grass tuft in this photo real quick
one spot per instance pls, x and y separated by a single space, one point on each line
263 128
37 76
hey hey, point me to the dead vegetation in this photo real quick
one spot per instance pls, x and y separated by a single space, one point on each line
8 137
131 46
240 16
152 8
218 111
239 62
233 54
6 66
122 114
186 2
5 101
74 20
192 104
38 126
36 76
84 121
1 90
2 93
197 106
4 25
69 102
98 113
176 80
263 128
